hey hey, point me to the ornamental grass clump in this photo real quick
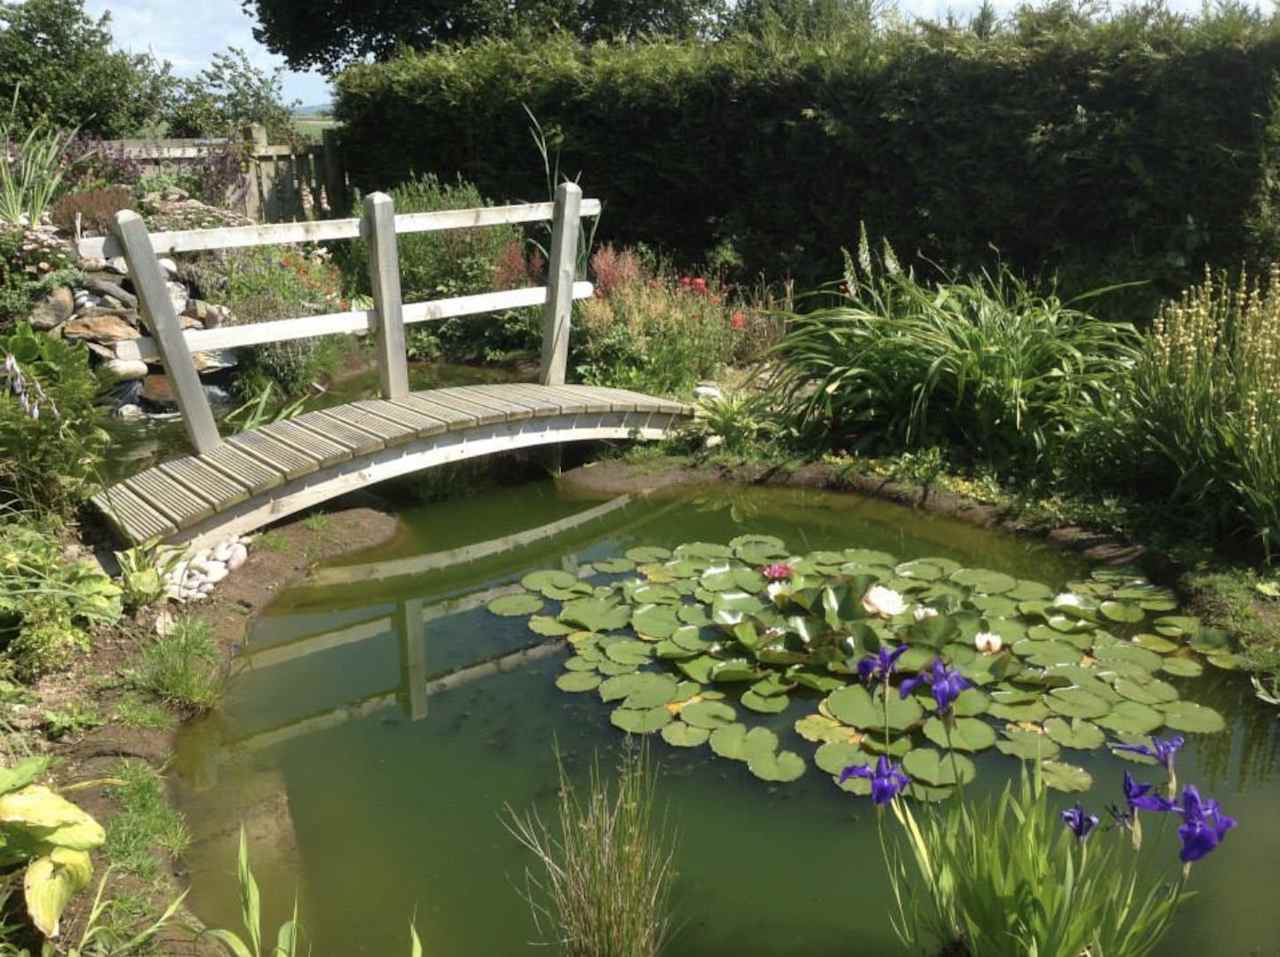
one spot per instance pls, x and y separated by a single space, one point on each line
987 364
607 869
1203 412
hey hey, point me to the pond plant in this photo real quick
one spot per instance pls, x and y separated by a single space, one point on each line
923 662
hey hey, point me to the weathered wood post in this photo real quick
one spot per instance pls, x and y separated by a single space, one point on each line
561 272
412 630
378 228
258 185
335 175
157 312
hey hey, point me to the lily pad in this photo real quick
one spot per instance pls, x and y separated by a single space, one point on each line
1182 667
548 626
537 581
834 756
1029 591
854 706
1177 626
1028 745
1147 660
615 566
1076 703
920 568
1079 734
708 714
1028 711
966 734
681 735
867 556
578 681
984 580
820 728
651 690
1065 777
773 704
1192 717
638 721
595 614
629 652
1161 646
938 768
779 768
512 605
648 553
1131 717
1123 612
1154 691
655 621
734 741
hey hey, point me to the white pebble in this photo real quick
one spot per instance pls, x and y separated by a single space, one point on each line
239 555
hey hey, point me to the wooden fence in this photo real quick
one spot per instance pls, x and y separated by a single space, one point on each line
279 184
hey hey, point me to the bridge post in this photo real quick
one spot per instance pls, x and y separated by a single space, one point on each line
412 632
158 313
379 230
561 273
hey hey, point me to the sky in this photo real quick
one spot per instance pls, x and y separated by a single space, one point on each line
187 33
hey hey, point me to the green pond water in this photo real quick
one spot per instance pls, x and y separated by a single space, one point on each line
373 801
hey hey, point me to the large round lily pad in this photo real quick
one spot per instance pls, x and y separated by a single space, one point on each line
779 767
938 768
578 681
963 734
984 580
1192 717
1131 717
681 735
1028 745
1079 734
834 756
640 721
511 605
708 714
1065 777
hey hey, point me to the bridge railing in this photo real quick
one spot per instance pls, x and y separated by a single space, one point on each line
377 228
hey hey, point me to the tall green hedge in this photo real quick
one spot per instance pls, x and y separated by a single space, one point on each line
1105 152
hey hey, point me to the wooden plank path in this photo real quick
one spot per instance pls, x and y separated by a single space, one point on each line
265 474
237 484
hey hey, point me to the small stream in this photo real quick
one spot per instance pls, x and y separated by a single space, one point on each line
371 817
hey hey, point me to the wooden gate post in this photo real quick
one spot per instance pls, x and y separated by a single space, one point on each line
561 273
379 230
157 312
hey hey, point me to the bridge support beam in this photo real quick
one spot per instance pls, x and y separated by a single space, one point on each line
561 273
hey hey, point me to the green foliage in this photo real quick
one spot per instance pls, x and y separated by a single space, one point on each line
47 603
52 445
456 262
1067 141
229 95
331 34
1006 878
1199 423
95 209
142 571
32 264
62 61
743 420
31 168
652 332
607 867
183 667
988 365
48 835
145 822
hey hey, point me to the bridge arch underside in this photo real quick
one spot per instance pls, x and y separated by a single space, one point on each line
202 500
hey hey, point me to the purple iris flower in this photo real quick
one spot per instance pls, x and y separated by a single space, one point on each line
1162 751
886 781
1203 824
1137 796
880 666
1079 822
945 683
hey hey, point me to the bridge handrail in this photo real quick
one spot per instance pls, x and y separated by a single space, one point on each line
378 227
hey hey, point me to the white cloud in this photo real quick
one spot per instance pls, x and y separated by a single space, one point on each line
187 34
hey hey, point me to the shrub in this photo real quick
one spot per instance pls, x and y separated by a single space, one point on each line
651 333
961 140
91 162
986 365
46 601
51 439
1200 420
183 667
32 263
96 209
607 866
455 262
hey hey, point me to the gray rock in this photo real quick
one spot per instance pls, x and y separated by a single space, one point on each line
121 370
178 296
169 266
129 411
707 390
118 265
55 309
239 555
104 287
92 264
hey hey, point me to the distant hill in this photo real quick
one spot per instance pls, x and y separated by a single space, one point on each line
319 109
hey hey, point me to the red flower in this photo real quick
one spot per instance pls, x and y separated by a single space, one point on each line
739 320
777 571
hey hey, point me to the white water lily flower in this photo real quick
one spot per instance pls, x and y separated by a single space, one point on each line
924 611
884 602
1068 600
988 642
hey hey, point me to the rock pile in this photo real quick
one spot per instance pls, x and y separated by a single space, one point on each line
194 576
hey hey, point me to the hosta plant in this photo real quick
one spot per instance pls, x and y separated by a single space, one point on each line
50 837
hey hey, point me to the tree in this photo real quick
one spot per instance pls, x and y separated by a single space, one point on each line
330 34
227 96
59 62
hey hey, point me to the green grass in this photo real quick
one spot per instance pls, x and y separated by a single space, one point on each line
146 822
271 541
134 711
1229 597
316 522
183 668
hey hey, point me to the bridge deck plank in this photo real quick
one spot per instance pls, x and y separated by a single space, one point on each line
176 495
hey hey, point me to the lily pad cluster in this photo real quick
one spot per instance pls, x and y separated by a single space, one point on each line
703 643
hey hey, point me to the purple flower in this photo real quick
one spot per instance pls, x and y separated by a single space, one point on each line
887 781
777 571
1079 822
1162 751
880 666
1137 797
1203 824
945 683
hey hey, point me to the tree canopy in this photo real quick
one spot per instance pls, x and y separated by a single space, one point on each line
330 34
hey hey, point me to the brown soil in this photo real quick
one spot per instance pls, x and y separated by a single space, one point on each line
98 681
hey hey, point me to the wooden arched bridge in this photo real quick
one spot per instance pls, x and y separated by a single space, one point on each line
237 484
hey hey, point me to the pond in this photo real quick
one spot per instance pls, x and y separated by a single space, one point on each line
374 790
